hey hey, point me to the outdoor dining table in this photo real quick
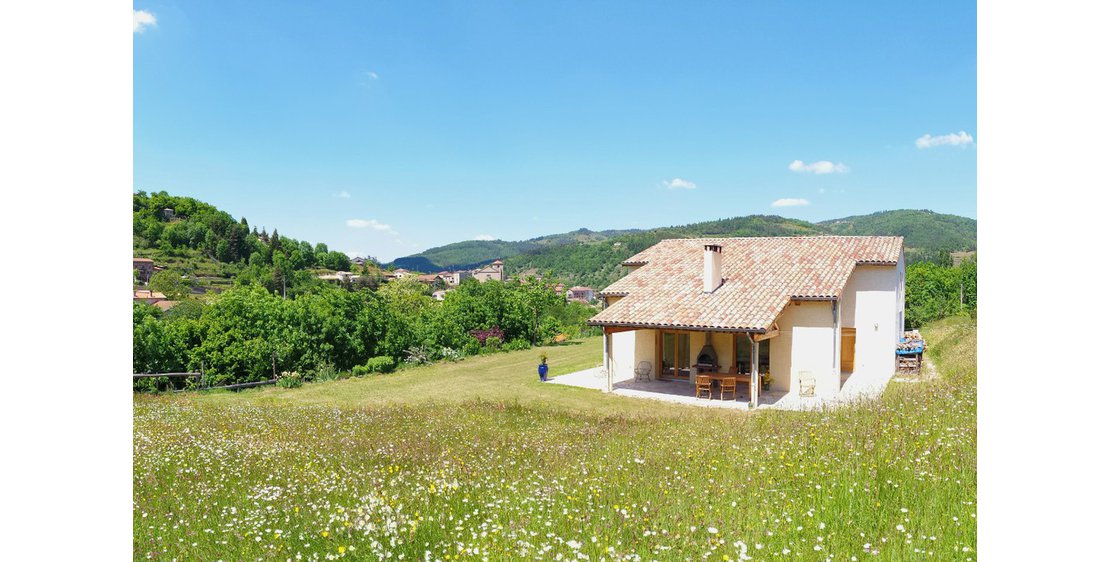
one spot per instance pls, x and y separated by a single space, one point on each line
725 376
719 377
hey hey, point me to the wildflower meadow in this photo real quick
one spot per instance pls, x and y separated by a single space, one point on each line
477 460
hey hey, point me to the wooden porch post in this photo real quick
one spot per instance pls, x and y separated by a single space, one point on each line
754 392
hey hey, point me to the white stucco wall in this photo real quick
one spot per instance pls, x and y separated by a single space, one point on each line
874 305
806 343
624 353
629 348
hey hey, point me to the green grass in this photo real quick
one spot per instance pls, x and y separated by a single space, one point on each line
477 460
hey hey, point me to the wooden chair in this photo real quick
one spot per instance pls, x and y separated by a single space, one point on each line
728 384
703 382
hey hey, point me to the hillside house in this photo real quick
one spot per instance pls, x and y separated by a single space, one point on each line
810 313
453 278
148 297
339 277
145 267
494 271
580 294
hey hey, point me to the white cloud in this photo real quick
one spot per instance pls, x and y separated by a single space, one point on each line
953 139
679 183
484 237
819 167
790 202
372 75
142 19
343 195
361 223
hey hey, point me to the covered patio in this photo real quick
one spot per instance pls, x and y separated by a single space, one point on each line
674 391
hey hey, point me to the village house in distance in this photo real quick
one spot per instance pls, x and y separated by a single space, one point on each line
145 267
492 272
815 313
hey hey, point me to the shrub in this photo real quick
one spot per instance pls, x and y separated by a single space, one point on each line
289 379
360 370
472 346
326 372
549 328
517 345
380 364
452 355
483 336
417 355
492 345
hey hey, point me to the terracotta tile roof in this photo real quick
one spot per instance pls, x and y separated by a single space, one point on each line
143 260
166 305
145 294
761 276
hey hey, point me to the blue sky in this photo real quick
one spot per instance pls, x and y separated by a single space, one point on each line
384 129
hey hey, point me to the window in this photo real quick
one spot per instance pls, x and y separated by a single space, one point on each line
744 354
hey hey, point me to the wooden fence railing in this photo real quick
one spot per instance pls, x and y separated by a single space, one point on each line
200 380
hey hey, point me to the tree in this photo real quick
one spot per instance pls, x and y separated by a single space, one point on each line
337 261
406 295
235 243
280 274
934 291
169 283
538 298
223 251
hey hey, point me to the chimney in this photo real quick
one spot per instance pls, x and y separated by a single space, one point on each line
712 278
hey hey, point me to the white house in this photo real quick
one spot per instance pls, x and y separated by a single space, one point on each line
580 293
808 312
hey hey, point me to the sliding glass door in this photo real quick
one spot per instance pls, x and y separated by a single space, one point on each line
676 355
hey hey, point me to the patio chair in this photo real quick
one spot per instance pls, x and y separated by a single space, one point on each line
643 371
807 384
728 384
703 383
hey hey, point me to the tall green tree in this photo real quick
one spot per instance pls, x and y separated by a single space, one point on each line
169 283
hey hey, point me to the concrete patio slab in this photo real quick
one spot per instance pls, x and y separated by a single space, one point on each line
678 392
855 388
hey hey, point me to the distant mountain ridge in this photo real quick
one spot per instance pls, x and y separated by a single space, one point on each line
470 254
593 258
923 230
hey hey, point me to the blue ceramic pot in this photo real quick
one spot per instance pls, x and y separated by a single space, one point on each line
543 372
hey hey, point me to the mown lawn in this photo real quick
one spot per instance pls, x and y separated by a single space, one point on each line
478 460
